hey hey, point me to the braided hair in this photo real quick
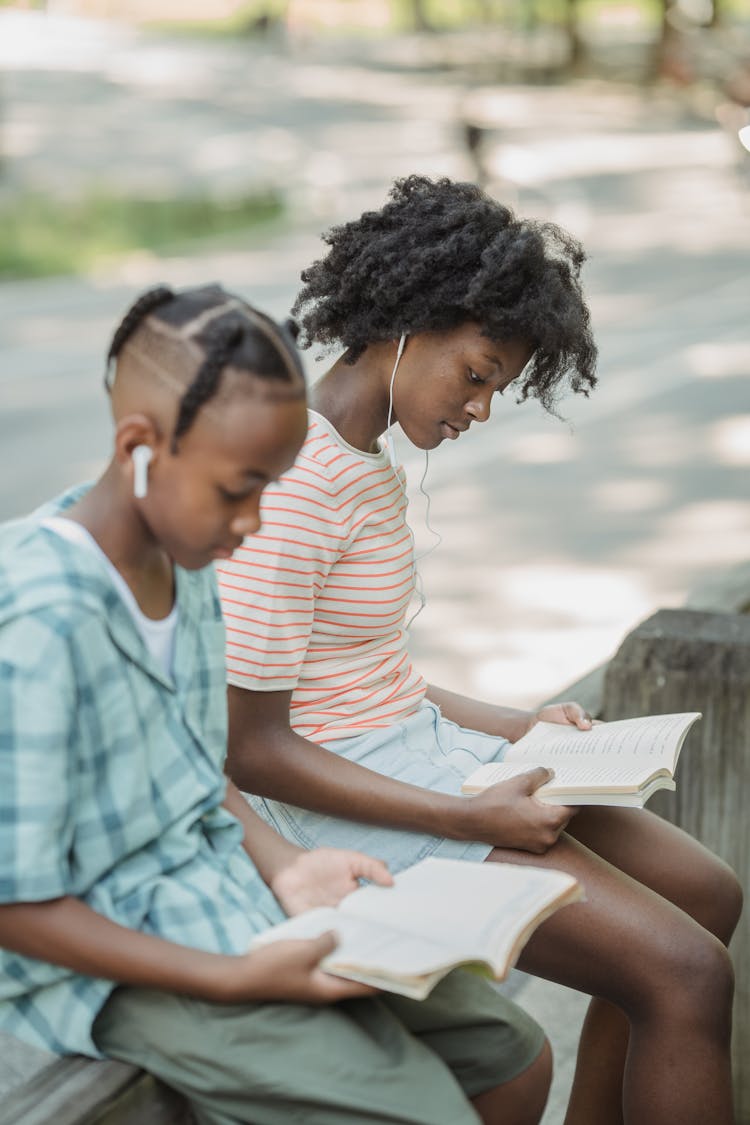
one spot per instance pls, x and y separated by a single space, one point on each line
439 254
227 332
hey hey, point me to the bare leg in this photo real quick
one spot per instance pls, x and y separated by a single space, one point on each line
686 874
669 977
667 860
596 1093
521 1101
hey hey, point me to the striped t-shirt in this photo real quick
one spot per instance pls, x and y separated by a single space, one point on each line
315 602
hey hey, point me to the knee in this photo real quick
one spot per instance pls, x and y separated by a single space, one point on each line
728 896
692 976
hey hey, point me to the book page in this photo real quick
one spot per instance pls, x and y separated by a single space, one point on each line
654 739
573 774
440 913
363 943
477 910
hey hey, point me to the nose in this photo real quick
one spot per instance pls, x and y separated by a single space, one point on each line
478 408
247 522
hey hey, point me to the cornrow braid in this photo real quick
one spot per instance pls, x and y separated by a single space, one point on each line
225 339
170 333
137 312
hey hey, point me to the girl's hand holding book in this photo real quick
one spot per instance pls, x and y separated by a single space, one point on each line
508 815
569 714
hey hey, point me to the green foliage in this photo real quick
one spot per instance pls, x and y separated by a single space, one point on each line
247 19
43 236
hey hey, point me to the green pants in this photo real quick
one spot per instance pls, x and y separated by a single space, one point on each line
383 1059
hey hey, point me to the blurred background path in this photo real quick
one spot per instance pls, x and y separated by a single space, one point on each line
558 535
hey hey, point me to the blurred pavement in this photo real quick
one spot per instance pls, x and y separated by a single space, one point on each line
558 535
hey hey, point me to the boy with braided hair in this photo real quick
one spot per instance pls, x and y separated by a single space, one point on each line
133 877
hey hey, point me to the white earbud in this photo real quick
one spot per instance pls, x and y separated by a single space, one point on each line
141 455
388 435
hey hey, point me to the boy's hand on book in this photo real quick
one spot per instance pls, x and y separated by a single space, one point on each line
290 971
323 876
570 714
508 815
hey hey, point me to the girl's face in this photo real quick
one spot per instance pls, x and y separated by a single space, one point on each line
446 380
203 500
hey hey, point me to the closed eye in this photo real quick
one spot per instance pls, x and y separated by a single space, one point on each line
236 497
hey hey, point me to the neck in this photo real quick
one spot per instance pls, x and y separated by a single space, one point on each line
113 520
354 398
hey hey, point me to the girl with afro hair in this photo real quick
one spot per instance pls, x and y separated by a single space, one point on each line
434 303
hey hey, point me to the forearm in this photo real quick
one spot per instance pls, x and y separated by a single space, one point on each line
269 851
506 722
67 932
281 765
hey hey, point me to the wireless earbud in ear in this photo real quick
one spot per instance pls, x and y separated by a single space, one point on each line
141 455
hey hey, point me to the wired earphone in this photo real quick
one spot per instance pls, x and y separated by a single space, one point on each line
394 463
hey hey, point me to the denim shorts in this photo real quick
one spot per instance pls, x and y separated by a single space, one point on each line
425 750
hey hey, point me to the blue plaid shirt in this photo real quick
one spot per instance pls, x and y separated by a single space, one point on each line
111 776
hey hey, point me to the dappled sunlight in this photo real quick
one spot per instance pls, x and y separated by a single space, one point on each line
530 665
630 494
657 443
542 448
605 153
589 595
720 359
729 440
222 151
691 536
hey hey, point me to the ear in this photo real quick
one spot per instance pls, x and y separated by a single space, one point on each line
134 430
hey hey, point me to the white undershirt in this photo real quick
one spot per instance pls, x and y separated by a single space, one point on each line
158 636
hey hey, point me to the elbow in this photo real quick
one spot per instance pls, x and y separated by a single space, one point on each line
255 761
244 766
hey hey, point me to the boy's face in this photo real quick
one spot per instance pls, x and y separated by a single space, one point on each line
204 499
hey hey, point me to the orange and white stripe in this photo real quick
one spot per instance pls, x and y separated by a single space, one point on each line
315 602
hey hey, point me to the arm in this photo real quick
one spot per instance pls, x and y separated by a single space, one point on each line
268 758
506 722
300 879
268 850
39 696
67 932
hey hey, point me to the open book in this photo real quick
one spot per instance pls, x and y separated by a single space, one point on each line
619 763
441 913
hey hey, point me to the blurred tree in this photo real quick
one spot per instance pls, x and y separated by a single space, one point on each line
671 57
419 15
576 48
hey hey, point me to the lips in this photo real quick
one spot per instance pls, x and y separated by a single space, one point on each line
450 431
226 552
